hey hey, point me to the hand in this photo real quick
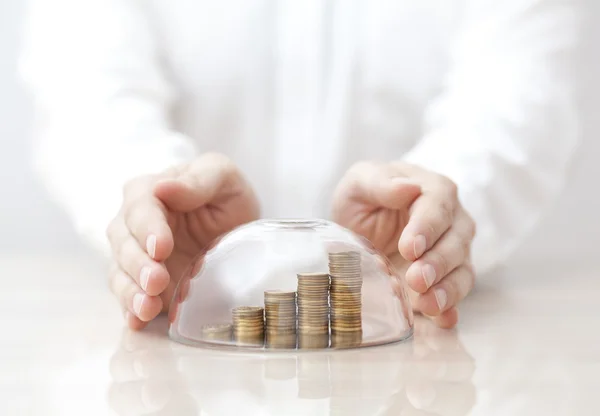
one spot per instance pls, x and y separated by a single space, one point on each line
414 217
164 222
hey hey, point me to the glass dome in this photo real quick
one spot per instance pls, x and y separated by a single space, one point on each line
274 285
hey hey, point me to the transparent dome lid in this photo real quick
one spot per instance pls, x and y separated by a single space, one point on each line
290 285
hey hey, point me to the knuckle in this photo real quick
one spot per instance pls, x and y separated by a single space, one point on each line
471 279
465 248
224 164
216 158
123 254
136 186
472 227
130 185
130 212
465 282
446 212
113 279
449 186
440 261
110 229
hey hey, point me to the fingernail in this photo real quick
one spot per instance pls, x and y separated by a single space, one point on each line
420 245
151 245
441 298
145 277
428 273
138 302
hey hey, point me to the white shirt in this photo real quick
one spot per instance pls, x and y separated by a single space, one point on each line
296 91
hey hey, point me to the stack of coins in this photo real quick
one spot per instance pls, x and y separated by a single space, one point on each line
217 332
346 339
248 325
280 318
313 303
312 342
281 341
346 292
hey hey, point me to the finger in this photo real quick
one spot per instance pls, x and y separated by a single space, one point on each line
447 319
447 254
146 220
198 184
381 187
133 322
151 276
447 293
132 298
430 217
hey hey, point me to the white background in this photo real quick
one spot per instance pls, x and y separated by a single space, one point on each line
29 221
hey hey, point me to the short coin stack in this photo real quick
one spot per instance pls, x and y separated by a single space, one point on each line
346 293
313 303
217 332
280 318
248 325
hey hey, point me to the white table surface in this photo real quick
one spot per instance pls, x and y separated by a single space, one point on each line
528 344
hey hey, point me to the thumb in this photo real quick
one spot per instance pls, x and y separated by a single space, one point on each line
378 186
198 184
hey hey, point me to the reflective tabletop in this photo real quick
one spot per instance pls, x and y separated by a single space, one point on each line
528 343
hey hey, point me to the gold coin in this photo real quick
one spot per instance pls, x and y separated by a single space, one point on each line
283 341
216 328
346 340
313 341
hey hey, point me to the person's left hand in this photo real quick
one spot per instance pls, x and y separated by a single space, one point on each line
406 211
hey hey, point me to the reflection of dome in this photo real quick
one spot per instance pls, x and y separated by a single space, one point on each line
362 382
329 282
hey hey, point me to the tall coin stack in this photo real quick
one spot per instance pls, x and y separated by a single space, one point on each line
280 318
313 304
248 325
346 293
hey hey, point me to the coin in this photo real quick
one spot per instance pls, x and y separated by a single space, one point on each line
346 340
281 341
248 325
313 341
345 292
313 303
217 332
280 312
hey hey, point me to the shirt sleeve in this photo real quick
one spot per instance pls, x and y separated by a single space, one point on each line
505 127
102 103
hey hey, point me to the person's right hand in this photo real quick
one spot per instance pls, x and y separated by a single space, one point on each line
164 223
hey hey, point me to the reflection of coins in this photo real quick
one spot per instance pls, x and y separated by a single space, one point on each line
313 303
217 332
313 375
280 368
248 325
280 312
346 292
